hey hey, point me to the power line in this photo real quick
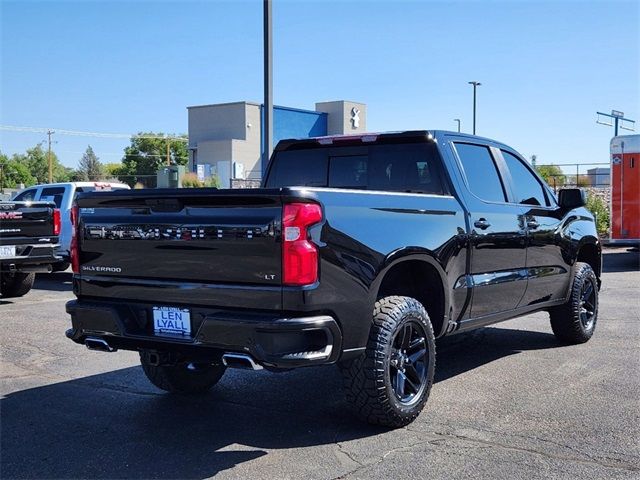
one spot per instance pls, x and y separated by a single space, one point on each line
115 154
61 131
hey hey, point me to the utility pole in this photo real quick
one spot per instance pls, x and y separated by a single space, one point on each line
475 85
168 152
457 120
618 121
49 133
268 83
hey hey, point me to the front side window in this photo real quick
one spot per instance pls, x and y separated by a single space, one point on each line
481 172
526 186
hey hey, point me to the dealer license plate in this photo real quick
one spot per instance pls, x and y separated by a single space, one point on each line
171 321
7 251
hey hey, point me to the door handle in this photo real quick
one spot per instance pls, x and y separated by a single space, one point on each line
532 224
482 224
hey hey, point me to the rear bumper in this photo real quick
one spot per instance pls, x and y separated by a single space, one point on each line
272 341
31 258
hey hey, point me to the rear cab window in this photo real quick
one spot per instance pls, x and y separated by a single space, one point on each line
397 167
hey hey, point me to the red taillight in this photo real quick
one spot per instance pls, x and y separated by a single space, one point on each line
74 253
56 222
299 255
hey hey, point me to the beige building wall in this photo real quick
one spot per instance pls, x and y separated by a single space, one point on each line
344 117
229 119
249 151
236 137
218 154
225 133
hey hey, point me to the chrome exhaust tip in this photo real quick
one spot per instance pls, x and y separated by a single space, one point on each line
240 360
98 344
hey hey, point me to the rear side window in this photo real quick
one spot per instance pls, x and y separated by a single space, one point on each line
527 188
481 172
53 194
304 168
26 196
411 167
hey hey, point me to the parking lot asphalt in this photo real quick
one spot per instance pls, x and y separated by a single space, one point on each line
509 402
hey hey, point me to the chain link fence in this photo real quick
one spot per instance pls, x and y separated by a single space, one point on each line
584 175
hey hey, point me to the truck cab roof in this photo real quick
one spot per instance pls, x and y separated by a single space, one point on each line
377 137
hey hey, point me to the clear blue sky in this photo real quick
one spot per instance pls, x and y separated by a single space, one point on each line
546 67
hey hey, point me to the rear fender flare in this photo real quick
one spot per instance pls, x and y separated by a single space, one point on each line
412 254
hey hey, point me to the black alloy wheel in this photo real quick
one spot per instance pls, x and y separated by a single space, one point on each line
389 383
409 362
575 321
588 304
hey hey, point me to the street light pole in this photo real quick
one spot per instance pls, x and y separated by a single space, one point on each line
457 120
475 85
268 84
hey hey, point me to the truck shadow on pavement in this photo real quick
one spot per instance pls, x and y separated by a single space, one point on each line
116 425
55 282
620 260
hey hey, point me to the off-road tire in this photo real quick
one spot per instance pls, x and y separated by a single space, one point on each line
367 379
17 284
566 321
183 378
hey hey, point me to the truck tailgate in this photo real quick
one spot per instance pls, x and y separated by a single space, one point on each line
188 237
21 222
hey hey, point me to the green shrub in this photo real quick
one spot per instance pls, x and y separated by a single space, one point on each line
190 180
213 182
600 210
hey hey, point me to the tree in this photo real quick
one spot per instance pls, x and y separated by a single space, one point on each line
37 161
90 167
14 173
146 155
112 169
552 174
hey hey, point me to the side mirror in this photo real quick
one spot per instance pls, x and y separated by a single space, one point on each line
570 198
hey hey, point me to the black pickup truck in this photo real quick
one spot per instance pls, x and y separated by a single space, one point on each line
28 237
358 251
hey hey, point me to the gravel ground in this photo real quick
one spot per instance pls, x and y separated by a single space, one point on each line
509 402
